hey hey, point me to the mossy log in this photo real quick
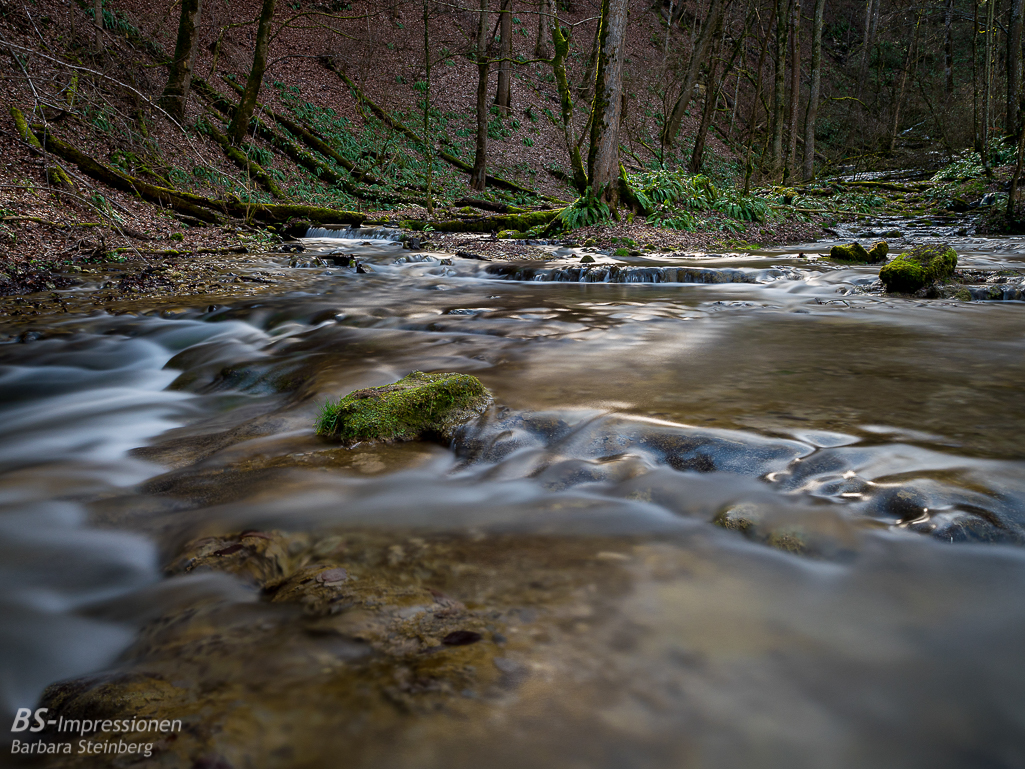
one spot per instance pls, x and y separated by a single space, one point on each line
253 169
313 141
205 209
54 174
519 222
300 156
417 406
182 202
890 186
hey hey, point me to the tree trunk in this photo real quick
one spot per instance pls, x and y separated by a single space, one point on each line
779 87
948 49
1014 67
561 43
707 114
790 172
98 23
1012 193
545 21
987 84
478 179
504 96
869 41
816 84
428 139
699 56
603 156
240 122
176 92
909 59
748 165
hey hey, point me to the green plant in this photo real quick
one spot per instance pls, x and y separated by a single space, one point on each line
586 210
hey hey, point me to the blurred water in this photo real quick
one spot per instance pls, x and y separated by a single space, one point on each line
888 432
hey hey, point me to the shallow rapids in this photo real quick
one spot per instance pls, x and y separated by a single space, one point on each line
728 510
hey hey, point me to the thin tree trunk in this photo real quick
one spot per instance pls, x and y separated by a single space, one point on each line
866 45
179 80
603 155
716 78
748 164
1012 193
545 20
98 23
699 56
1014 66
948 49
428 139
561 43
987 84
244 112
976 133
779 87
909 59
790 172
478 179
816 84
503 98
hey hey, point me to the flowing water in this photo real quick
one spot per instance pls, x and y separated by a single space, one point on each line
728 510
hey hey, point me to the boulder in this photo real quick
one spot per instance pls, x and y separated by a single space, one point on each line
416 407
878 252
918 268
850 252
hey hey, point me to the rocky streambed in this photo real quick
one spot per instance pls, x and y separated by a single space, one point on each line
726 509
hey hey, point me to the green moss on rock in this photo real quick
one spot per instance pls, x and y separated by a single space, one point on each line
919 267
878 252
851 252
417 406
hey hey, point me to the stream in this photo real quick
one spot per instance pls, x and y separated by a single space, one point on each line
729 510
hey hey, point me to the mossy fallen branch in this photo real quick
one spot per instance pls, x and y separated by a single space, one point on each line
206 209
417 406
462 165
521 222
311 140
54 174
253 169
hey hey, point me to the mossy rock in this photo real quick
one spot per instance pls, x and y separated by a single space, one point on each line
879 251
855 253
918 268
587 259
416 407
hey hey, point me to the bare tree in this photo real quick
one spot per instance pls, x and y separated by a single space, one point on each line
790 171
699 57
816 84
478 179
176 92
1014 66
603 155
244 112
98 23
561 42
504 96
545 20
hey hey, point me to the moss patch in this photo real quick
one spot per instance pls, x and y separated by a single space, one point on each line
417 406
919 267
855 253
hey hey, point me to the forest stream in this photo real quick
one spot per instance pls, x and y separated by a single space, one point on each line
728 510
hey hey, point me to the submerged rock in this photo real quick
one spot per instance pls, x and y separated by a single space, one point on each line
918 268
417 406
855 253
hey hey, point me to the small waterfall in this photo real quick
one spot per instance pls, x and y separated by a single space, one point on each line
614 273
355 233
